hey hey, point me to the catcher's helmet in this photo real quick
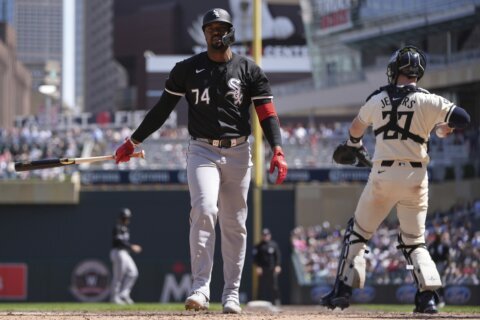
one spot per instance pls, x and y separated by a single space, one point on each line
125 213
220 15
409 61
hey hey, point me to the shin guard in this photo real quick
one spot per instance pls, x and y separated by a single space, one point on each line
424 270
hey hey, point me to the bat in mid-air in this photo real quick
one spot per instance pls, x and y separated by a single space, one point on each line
60 162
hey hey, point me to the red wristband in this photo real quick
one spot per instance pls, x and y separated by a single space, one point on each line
265 111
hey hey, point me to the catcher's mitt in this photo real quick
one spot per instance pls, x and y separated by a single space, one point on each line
347 155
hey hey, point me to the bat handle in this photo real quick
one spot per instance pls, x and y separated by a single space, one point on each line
138 154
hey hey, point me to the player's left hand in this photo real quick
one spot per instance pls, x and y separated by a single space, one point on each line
355 156
278 161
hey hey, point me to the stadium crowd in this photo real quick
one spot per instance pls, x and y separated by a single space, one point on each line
306 146
317 249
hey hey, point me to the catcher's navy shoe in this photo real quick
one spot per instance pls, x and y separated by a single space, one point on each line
338 297
425 302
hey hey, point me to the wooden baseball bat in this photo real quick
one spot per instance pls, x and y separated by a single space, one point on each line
60 162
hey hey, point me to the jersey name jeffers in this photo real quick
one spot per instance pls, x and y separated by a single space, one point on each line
406 102
236 93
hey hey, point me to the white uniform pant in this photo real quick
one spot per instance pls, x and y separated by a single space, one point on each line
401 186
125 273
218 180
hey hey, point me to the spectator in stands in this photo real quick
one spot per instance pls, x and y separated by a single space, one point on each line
300 133
317 249
168 146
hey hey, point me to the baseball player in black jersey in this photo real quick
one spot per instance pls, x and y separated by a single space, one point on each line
219 87
125 271
402 116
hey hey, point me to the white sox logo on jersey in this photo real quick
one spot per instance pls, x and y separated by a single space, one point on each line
236 92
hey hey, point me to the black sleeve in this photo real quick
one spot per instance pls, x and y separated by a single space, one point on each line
459 118
256 254
156 117
270 126
271 130
278 255
176 79
260 85
119 241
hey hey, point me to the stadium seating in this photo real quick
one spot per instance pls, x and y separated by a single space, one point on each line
316 249
305 146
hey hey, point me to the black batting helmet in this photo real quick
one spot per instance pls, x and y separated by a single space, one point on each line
409 61
125 213
216 15
220 15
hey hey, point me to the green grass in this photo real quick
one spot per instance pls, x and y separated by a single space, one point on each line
409 308
95 307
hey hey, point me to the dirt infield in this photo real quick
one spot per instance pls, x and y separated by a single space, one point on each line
285 313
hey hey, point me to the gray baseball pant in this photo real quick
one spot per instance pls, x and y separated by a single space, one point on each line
125 273
218 180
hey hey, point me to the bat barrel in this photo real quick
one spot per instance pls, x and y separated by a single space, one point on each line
41 164
53 163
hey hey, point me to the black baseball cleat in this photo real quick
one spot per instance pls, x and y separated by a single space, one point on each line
338 297
425 302
325 300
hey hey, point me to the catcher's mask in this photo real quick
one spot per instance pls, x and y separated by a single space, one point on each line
220 15
125 213
409 61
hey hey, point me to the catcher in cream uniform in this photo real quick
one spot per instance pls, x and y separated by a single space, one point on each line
402 116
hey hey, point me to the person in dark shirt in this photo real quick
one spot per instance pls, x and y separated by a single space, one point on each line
220 87
440 251
267 257
125 271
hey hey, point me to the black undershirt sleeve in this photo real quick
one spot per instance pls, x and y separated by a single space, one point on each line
271 130
270 126
156 117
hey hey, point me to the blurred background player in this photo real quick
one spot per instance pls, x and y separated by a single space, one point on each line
402 116
267 257
220 87
440 251
125 271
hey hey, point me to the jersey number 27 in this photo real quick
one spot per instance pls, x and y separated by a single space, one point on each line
406 128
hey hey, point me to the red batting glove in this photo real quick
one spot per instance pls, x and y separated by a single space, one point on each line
124 152
278 161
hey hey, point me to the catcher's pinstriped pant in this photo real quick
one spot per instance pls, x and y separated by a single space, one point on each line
218 180
125 274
